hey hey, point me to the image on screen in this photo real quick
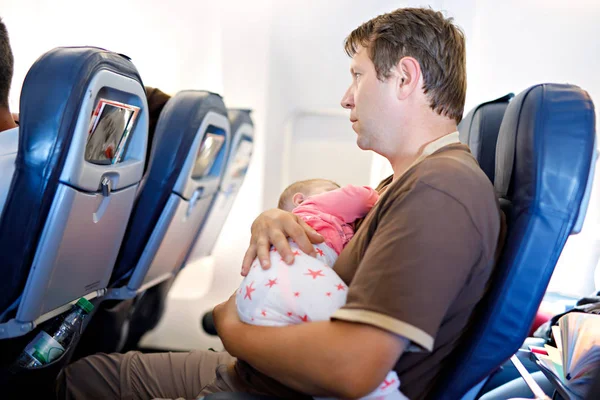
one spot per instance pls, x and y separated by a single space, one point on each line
109 130
207 155
239 164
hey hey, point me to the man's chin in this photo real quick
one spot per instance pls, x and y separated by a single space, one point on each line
362 144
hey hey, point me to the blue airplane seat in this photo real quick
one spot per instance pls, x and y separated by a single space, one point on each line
242 141
545 159
186 167
82 143
73 186
479 130
190 143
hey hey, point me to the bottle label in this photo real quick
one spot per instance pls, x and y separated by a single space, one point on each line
44 348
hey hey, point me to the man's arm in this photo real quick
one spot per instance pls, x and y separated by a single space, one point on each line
319 358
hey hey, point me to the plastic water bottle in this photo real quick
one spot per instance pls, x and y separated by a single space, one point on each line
46 347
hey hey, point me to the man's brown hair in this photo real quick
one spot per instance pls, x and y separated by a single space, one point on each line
426 35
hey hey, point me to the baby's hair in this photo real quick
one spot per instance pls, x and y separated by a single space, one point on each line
300 187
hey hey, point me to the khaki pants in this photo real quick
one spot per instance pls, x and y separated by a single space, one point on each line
134 376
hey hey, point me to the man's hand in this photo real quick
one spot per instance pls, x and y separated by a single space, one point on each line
273 227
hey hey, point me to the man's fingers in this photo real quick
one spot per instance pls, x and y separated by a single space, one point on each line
262 250
313 235
248 259
297 232
282 245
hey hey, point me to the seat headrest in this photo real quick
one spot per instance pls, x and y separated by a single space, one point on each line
238 117
545 133
52 95
479 130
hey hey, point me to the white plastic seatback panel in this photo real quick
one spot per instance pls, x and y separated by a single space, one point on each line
77 249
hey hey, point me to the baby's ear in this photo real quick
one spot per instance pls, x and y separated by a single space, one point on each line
297 199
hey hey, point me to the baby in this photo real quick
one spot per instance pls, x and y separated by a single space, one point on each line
309 290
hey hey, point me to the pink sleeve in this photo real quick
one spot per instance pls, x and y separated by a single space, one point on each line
348 203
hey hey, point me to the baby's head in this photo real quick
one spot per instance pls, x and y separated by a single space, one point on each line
297 192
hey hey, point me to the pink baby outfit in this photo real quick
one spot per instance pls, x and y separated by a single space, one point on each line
330 213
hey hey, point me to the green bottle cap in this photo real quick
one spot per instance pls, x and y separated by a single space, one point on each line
85 305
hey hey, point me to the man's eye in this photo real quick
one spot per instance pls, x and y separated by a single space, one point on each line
356 75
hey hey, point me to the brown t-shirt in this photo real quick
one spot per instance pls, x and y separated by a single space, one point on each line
418 263
421 259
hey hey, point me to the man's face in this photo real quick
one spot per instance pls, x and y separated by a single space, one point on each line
373 104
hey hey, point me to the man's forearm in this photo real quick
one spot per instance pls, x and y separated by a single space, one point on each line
298 356
319 358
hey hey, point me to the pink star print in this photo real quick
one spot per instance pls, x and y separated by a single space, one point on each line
315 274
271 283
386 384
249 290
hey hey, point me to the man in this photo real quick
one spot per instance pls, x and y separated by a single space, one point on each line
416 268
9 132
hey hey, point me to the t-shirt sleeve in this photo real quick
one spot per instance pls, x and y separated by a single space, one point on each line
417 261
347 203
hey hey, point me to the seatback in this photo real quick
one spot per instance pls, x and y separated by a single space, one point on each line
70 197
479 130
242 141
544 170
186 165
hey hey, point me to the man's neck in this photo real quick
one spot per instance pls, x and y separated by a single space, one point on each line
420 136
6 120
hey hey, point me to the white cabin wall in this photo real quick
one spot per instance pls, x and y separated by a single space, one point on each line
175 45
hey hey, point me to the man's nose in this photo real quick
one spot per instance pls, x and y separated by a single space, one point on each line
348 99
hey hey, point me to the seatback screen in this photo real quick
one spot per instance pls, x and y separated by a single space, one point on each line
239 164
207 154
109 131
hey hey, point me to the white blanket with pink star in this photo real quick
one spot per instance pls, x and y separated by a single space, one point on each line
308 290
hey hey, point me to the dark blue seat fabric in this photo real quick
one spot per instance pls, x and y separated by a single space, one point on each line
170 148
544 166
49 111
479 130
238 117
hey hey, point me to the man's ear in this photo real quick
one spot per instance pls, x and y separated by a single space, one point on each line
297 199
408 75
